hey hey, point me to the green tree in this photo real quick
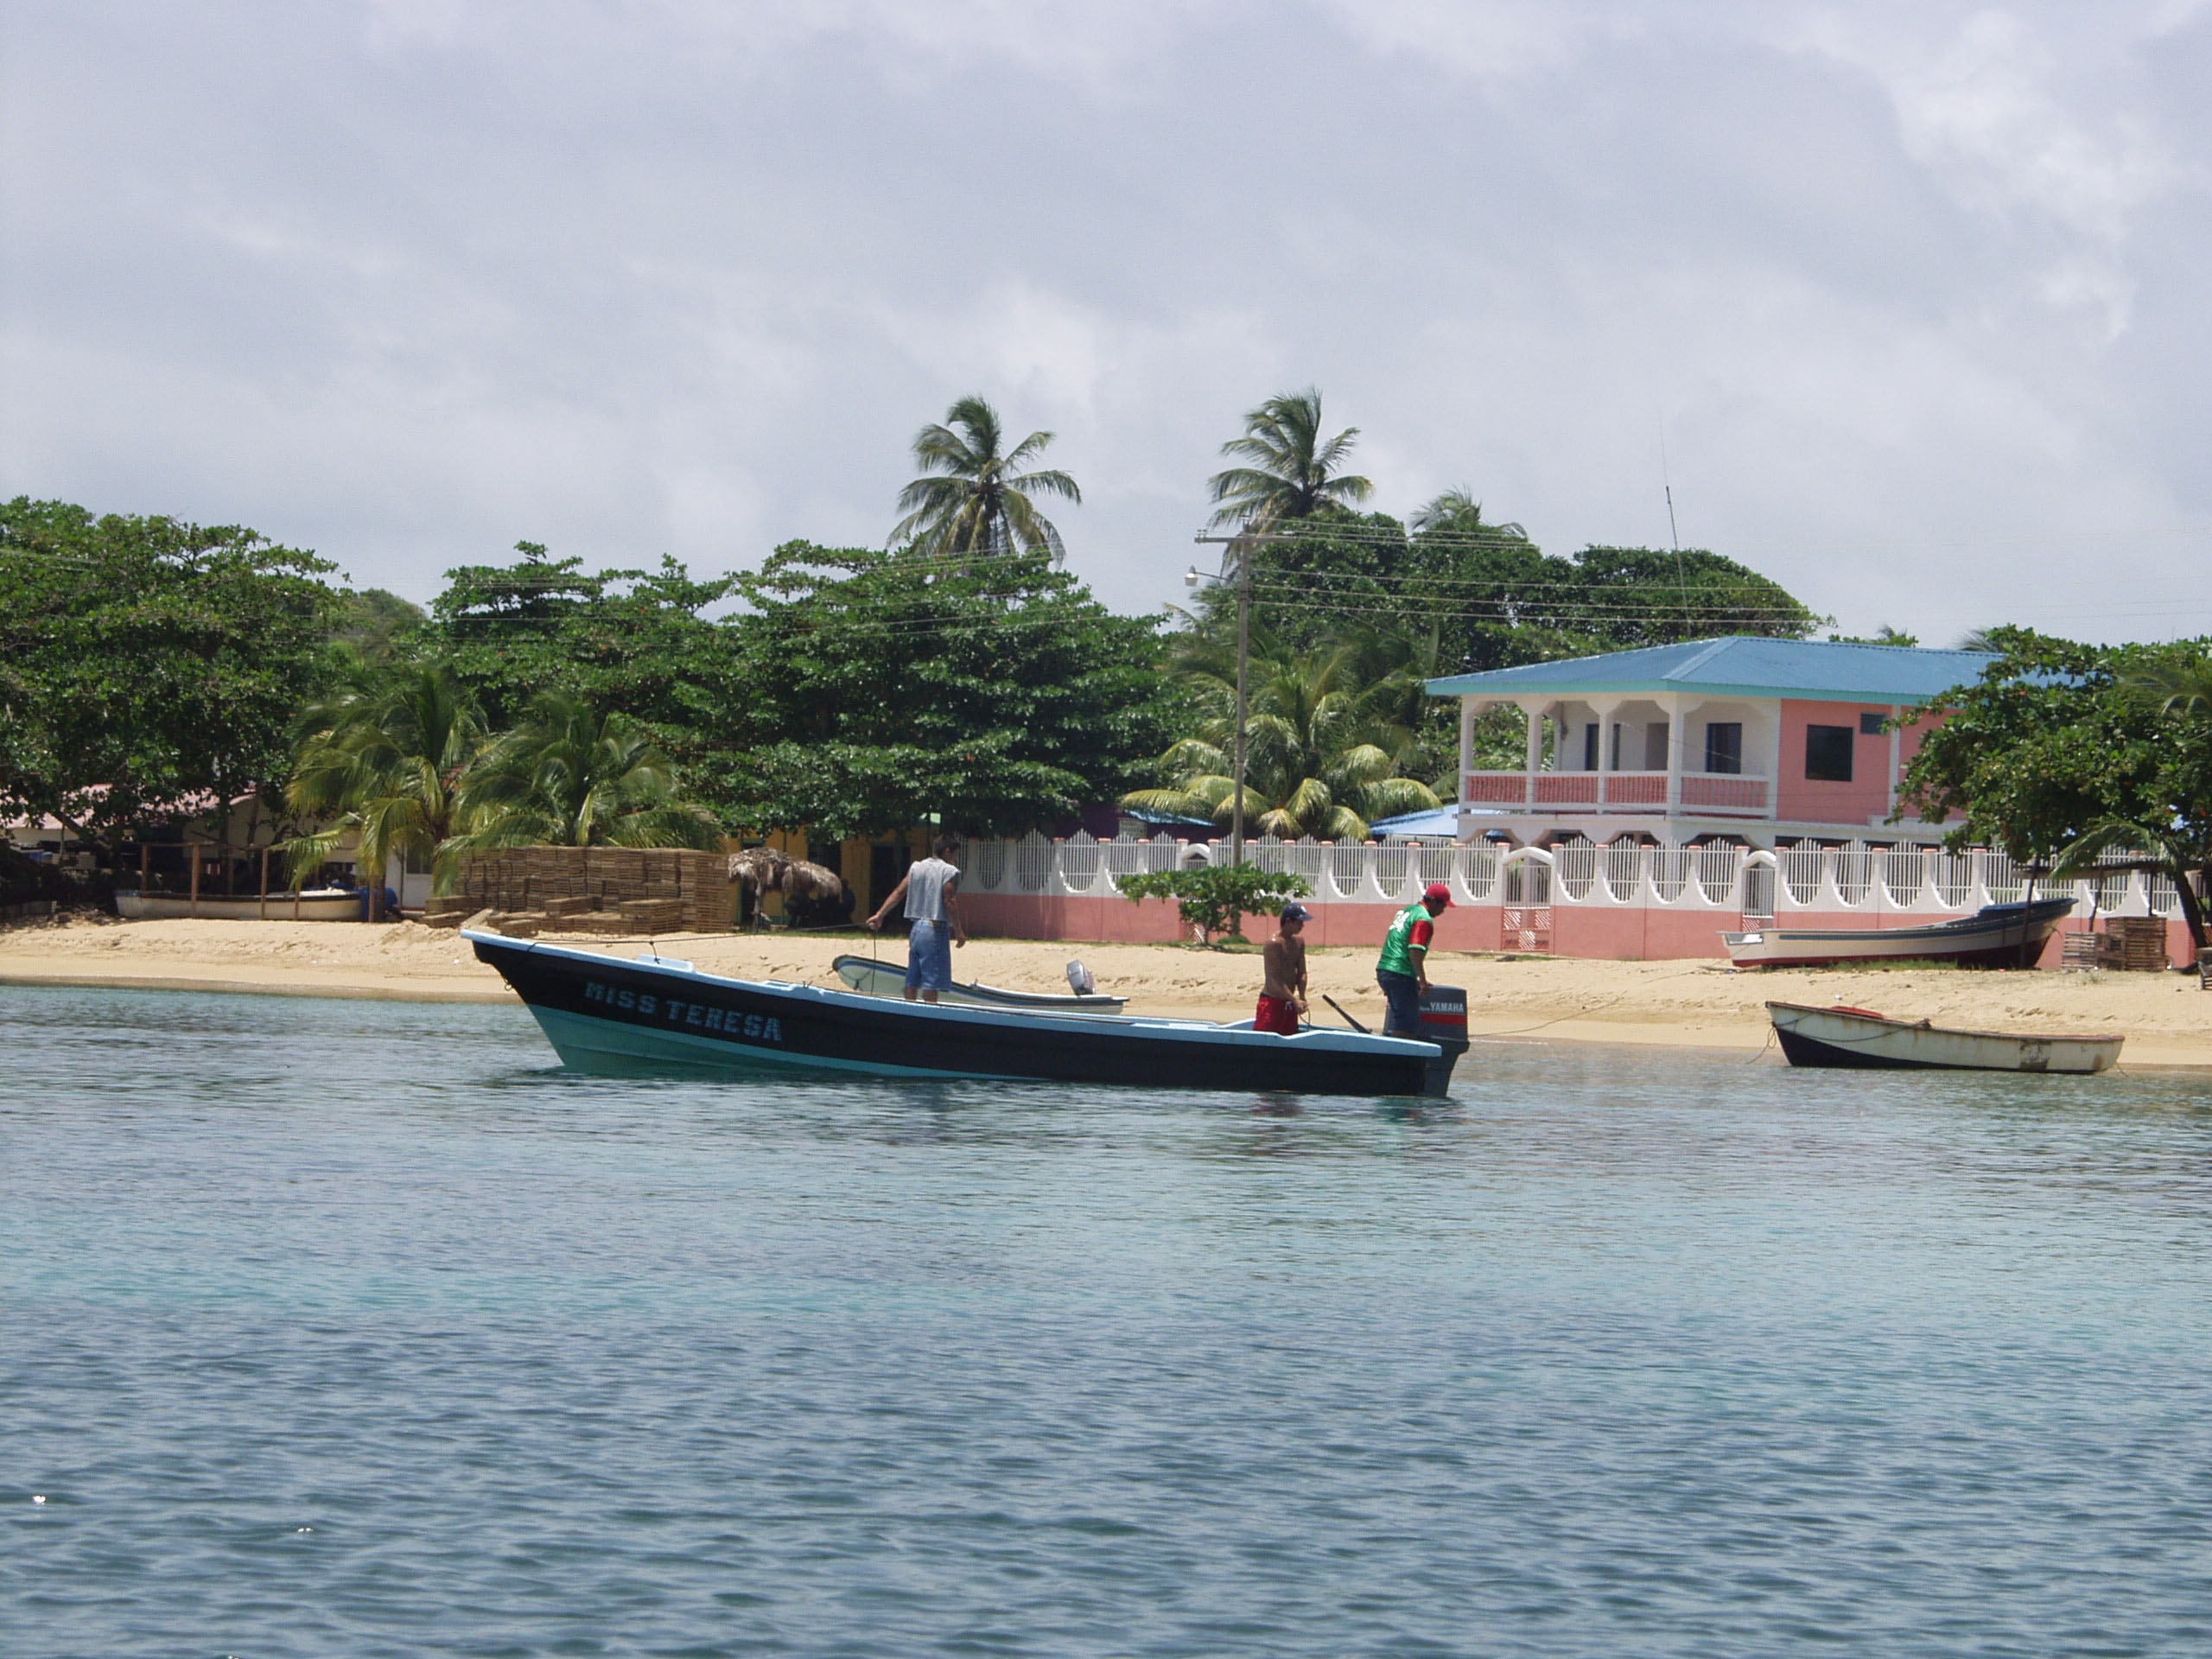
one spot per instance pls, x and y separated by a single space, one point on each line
382 756
374 624
1322 746
887 687
1290 471
148 667
974 500
1217 898
2070 752
573 776
636 642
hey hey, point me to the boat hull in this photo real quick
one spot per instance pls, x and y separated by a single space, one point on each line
604 1013
2001 936
872 978
1856 1040
277 907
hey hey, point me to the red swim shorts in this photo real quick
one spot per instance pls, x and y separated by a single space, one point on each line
1277 1014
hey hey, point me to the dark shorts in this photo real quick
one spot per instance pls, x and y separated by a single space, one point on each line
1277 1014
928 957
1402 993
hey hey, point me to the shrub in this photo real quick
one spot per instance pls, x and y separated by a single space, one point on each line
1216 898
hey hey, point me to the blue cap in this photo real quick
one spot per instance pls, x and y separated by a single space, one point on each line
1294 912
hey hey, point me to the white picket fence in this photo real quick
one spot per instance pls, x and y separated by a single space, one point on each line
1916 880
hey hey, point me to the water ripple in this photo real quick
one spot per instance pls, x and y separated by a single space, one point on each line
361 1329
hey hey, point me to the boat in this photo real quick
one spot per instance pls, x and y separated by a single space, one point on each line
1996 935
654 1013
872 978
1861 1038
315 905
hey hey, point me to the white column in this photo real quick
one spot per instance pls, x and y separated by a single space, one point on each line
1897 750
1535 713
1605 711
1673 707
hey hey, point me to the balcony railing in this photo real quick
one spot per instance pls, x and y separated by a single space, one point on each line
1617 791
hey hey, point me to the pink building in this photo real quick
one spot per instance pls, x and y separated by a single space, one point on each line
1666 796
1764 741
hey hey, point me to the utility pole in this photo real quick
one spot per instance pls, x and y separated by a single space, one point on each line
1240 546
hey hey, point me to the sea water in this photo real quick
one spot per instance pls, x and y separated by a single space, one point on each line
359 1328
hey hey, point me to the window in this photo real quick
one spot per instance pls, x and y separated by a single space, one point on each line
1724 745
1871 724
1617 745
1590 748
1828 754
1655 746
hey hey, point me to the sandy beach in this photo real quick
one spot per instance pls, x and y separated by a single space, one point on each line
2167 1020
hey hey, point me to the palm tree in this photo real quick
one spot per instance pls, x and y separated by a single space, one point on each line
1457 511
1324 756
976 500
571 777
1290 471
382 757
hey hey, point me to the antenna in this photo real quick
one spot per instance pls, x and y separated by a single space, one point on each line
1681 581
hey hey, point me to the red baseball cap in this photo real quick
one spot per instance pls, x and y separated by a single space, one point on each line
1438 893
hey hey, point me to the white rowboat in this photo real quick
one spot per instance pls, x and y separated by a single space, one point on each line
315 905
1861 1038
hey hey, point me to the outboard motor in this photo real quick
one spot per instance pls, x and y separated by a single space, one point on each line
1444 1022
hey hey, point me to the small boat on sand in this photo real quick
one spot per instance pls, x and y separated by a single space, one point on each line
1996 935
315 905
653 1014
872 978
1861 1038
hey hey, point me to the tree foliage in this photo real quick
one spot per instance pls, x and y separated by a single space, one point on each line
884 688
573 775
382 756
2063 748
975 499
1289 471
1216 898
148 668
1326 737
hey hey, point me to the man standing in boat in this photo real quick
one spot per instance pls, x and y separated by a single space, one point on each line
931 889
1282 998
1403 970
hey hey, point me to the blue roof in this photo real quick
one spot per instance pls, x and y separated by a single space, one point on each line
1739 665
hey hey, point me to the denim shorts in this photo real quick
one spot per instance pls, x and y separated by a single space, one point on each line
1402 993
928 957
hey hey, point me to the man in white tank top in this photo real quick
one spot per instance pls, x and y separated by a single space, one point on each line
931 889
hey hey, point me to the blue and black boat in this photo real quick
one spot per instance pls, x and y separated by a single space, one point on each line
612 1015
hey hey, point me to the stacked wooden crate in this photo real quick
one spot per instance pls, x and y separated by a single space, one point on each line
2128 945
2141 944
602 891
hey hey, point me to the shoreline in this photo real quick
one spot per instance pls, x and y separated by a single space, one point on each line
1684 1004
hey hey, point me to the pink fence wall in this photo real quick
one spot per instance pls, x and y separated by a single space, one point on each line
1612 933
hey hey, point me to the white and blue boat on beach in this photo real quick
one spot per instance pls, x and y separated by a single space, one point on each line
652 1013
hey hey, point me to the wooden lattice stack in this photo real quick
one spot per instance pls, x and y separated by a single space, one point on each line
602 891
2129 945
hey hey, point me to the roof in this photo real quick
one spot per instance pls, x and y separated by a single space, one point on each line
1740 666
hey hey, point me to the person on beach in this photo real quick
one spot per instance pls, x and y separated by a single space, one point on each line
1282 997
1402 972
931 889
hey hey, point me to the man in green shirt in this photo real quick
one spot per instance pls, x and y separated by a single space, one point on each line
1402 972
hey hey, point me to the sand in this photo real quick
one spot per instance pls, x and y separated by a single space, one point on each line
2166 1017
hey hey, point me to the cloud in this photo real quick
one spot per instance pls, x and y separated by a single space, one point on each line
408 282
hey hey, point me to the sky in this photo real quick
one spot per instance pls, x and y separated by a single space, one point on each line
1906 302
